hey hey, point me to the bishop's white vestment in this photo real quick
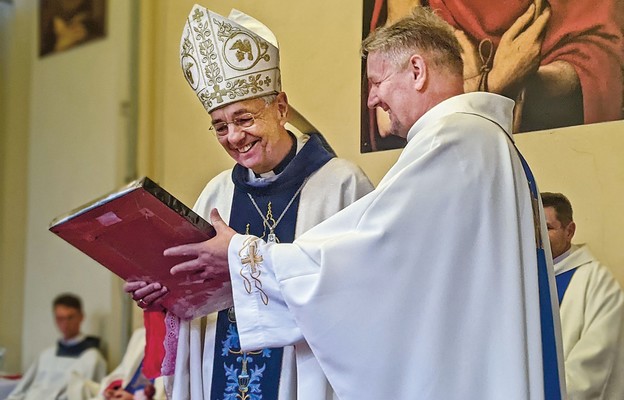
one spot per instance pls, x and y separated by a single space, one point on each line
332 187
592 328
427 287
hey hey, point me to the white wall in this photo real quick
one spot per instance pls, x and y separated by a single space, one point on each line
585 163
77 152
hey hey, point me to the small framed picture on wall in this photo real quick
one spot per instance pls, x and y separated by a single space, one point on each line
65 24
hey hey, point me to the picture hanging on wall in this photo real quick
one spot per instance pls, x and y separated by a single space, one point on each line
561 61
65 24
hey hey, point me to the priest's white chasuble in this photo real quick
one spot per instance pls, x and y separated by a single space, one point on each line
427 287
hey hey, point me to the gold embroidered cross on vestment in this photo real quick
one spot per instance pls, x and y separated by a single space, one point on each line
251 261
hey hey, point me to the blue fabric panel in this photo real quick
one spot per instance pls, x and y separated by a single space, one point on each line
563 280
256 376
552 388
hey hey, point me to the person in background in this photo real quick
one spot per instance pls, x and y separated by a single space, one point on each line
592 310
48 377
282 185
126 382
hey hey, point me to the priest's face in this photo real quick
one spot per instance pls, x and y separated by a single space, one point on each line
560 235
68 320
391 88
253 132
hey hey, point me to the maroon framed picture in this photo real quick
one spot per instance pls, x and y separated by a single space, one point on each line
561 61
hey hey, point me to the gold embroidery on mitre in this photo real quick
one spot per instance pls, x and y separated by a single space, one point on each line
241 50
252 262
225 62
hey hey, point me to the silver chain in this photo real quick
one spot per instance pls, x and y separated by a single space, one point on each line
266 222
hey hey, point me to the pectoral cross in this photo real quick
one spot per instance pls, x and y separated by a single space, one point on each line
272 238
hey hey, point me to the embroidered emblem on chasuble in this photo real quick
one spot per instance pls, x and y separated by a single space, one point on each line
251 268
239 375
255 375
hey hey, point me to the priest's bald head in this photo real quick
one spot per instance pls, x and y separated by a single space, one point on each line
412 65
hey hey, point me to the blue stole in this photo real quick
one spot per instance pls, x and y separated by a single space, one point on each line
256 375
552 388
563 280
550 365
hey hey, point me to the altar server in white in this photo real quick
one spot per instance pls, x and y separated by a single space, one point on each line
434 286
592 310
74 355
281 186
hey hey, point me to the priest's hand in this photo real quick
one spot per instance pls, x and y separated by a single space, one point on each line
208 257
148 296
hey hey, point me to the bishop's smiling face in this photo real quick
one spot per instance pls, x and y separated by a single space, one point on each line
261 146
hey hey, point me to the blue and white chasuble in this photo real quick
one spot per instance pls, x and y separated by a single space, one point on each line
255 375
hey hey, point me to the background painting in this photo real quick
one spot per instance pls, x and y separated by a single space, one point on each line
560 60
64 24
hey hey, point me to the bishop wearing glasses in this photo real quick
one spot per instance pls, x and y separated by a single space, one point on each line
282 185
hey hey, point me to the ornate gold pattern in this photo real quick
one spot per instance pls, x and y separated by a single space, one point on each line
233 89
225 62
536 222
252 261
244 50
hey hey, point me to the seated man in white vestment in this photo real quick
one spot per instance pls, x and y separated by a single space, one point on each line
74 354
437 284
125 382
592 310
282 185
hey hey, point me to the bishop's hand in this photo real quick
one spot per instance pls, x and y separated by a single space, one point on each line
148 296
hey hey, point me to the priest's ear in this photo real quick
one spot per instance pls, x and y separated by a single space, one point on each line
418 67
569 230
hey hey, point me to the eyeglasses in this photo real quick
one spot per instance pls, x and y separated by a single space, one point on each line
245 120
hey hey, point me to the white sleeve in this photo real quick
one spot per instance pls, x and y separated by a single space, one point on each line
262 316
590 363
22 387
